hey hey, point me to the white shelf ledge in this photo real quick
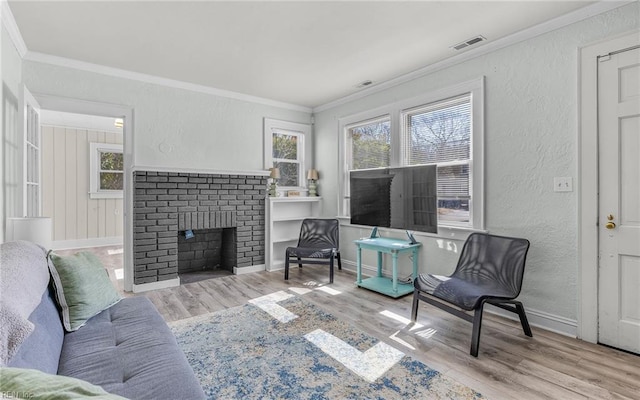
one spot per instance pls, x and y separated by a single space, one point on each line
288 219
295 239
293 199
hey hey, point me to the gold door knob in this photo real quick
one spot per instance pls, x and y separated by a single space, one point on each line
610 225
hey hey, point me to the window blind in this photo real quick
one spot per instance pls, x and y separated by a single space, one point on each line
453 181
438 132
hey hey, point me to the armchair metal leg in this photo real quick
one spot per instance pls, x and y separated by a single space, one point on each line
523 319
331 269
286 266
299 263
414 306
339 260
475 335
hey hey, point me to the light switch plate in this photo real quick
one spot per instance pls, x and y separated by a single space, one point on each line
563 184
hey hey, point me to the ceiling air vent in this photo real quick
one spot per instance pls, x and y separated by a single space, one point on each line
469 42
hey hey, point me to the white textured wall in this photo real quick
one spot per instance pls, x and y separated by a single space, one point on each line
11 63
201 131
531 105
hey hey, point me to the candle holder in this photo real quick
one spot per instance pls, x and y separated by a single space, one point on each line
312 176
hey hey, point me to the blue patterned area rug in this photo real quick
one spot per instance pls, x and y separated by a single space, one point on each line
283 347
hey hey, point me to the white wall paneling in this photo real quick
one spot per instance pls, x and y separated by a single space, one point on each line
66 186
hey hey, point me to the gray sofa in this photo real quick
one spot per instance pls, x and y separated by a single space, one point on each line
127 349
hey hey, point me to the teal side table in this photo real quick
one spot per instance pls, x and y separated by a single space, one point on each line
379 283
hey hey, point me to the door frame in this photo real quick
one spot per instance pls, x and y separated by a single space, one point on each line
56 103
587 328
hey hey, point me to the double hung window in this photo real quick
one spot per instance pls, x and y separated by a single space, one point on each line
444 128
107 170
285 149
287 157
440 133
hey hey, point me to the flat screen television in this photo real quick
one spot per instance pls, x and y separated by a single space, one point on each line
402 198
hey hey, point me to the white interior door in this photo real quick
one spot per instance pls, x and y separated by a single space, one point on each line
619 208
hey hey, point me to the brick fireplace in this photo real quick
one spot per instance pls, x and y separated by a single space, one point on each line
214 206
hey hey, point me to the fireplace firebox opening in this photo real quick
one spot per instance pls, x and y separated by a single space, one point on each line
209 252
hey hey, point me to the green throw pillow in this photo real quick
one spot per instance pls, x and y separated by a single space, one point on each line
83 287
20 383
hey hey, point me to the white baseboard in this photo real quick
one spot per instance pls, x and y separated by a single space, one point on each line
84 243
248 270
145 287
550 322
554 323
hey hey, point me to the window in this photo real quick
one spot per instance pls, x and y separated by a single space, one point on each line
286 156
285 149
444 128
440 134
107 170
370 144
32 162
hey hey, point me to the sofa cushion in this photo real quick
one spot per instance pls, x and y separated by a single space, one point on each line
24 277
83 287
41 350
33 384
129 350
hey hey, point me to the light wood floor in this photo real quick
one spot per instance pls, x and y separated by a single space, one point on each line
509 366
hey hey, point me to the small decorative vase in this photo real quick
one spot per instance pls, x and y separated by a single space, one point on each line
313 188
273 189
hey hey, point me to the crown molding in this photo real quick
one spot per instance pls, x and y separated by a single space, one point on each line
157 80
525 34
10 24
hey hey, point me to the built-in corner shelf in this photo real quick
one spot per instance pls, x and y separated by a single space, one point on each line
284 217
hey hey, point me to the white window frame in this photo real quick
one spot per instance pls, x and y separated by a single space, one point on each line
94 181
303 132
396 111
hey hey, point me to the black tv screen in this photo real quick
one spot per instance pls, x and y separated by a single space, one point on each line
402 198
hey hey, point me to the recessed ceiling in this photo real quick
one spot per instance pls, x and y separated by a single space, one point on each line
304 53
